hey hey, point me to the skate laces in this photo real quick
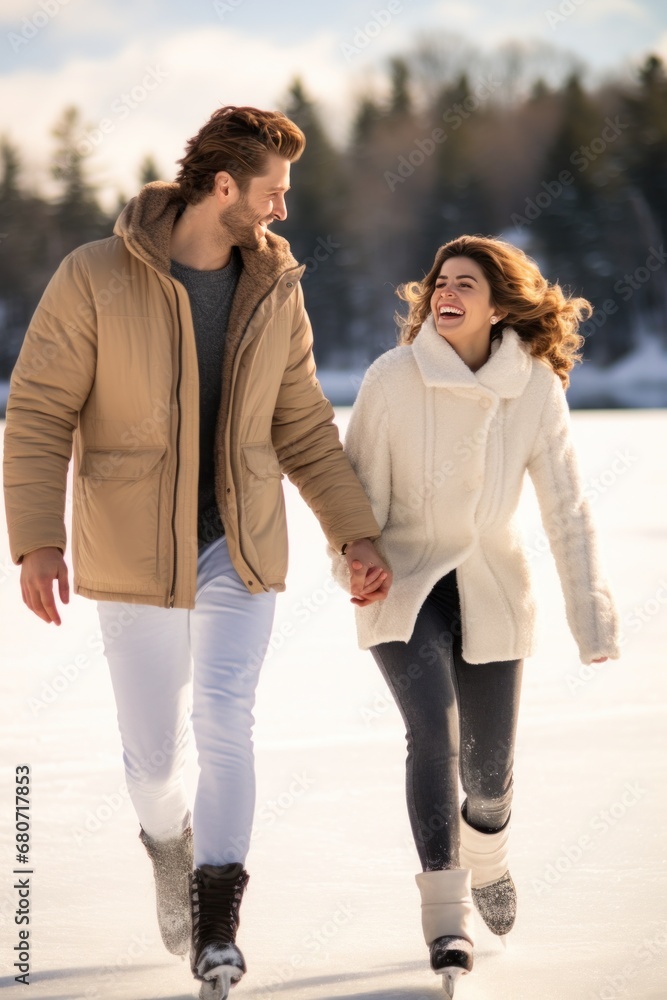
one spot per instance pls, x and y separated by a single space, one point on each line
217 892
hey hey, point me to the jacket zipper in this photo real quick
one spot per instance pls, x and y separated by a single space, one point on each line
231 397
178 443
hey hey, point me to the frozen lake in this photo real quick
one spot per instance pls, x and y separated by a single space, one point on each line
332 910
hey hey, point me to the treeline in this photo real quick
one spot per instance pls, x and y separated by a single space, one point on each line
574 175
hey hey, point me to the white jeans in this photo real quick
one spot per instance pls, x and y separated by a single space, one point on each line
168 662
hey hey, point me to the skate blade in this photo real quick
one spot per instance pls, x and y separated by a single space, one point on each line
218 982
450 978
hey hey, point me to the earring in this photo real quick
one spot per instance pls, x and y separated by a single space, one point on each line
494 319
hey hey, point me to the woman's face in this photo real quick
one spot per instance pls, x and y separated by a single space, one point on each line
461 303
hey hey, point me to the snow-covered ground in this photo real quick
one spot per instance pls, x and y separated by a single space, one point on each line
332 908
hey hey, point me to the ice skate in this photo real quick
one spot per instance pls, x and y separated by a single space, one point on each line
496 903
447 922
216 892
452 958
493 890
172 865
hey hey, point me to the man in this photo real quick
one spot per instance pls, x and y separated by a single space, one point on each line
174 360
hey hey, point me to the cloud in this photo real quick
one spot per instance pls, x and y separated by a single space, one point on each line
594 11
13 11
151 100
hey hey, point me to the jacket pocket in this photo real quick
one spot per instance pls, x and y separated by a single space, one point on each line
263 512
262 460
119 518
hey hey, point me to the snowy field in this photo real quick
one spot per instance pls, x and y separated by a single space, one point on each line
332 909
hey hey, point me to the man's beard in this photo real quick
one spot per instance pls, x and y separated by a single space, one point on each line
239 223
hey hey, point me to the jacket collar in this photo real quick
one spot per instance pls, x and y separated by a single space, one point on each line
146 224
506 372
147 221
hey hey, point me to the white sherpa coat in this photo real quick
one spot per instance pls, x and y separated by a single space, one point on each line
442 452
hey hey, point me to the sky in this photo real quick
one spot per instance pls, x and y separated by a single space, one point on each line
146 76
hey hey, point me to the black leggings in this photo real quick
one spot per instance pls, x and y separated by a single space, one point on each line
459 718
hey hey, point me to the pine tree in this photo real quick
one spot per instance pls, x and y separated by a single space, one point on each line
314 227
24 242
148 170
575 213
78 216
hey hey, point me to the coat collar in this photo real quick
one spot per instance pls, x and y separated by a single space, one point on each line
146 223
506 372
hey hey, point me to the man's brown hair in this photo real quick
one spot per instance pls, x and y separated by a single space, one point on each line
238 140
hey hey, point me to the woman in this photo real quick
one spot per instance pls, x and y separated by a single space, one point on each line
442 432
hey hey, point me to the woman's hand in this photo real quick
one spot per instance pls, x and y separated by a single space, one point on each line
370 577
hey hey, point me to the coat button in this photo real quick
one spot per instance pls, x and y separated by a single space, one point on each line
288 284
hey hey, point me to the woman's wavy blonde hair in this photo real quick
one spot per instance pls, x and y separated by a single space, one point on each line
542 315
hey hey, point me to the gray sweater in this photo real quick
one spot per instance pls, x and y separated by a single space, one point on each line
211 294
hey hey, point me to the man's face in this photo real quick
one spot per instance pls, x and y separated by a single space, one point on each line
248 218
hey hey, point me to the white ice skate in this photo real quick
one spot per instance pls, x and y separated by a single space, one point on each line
447 922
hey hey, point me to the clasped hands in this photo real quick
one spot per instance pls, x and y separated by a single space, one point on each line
370 577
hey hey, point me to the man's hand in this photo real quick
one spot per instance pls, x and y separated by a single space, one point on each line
39 569
370 577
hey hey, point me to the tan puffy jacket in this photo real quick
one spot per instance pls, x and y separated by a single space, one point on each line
108 372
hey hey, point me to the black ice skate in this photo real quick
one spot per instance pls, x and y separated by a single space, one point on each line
451 957
216 892
172 865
